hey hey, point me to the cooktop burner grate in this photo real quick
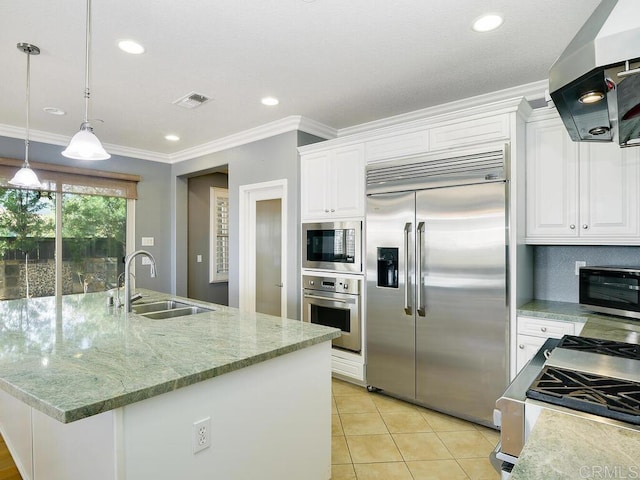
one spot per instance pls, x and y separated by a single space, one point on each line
596 394
604 347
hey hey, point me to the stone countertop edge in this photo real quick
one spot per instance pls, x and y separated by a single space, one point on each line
70 413
566 446
564 311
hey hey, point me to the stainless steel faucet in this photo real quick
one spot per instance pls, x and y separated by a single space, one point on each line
127 275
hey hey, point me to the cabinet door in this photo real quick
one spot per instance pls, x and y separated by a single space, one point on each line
314 185
608 190
347 182
552 181
527 348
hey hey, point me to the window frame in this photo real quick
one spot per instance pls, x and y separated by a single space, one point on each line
60 179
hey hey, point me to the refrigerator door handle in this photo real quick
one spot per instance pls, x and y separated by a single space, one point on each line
420 307
407 230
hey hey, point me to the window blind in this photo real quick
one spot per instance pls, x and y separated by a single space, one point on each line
219 271
59 178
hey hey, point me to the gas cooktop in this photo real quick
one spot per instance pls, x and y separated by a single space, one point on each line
604 347
608 397
578 375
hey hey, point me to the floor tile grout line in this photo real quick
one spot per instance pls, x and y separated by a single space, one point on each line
419 410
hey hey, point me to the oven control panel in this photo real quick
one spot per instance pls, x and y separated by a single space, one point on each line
331 284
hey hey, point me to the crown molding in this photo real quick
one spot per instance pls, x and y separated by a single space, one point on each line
63 141
530 91
284 125
287 124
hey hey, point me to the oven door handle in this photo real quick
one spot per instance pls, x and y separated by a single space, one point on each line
624 286
329 299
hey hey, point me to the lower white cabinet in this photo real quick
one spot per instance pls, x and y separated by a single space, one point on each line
533 332
347 365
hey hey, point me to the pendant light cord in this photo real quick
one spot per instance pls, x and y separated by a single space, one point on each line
87 64
26 138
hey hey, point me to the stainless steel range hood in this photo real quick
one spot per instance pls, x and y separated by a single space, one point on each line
595 84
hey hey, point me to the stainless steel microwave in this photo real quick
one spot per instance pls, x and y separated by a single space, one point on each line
612 290
334 246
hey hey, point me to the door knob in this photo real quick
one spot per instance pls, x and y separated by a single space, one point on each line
572 227
585 226
280 285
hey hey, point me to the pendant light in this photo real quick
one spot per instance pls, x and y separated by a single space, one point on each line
25 177
85 145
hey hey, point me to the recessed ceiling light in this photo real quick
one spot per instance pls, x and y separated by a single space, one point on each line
172 138
270 101
54 111
130 46
486 23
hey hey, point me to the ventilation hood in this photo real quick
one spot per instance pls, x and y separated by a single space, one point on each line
595 84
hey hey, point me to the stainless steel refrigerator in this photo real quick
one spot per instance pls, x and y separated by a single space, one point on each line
437 312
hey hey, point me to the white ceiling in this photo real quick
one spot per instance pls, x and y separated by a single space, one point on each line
338 62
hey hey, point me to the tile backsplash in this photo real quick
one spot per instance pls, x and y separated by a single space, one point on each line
554 267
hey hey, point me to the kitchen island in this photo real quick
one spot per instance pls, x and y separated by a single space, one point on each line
565 446
88 391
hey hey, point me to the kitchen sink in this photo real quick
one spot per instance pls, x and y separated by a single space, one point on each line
158 306
168 309
176 312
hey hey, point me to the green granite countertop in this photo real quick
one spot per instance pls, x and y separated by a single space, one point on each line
78 357
563 311
564 446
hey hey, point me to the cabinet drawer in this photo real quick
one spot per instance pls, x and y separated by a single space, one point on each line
542 327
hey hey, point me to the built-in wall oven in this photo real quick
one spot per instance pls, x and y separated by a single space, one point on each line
335 302
334 246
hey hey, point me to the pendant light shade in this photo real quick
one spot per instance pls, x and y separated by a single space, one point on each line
25 177
85 145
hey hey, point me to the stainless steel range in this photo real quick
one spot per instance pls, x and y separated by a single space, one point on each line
594 378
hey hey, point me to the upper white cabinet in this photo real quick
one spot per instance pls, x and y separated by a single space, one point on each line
579 193
332 183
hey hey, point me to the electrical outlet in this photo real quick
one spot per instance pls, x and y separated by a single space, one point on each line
147 241
578 265
201 434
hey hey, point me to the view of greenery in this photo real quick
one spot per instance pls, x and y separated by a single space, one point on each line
23 221
93 239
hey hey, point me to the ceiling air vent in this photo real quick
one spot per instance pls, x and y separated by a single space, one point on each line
192 100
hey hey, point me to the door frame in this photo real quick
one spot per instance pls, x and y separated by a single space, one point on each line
249 195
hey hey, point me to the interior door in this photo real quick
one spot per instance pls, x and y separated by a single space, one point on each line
268 256
462 339
390 299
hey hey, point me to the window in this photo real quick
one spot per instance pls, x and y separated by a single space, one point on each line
67 238
219 235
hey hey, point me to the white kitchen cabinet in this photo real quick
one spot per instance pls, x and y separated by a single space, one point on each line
332 183
533 332
579 193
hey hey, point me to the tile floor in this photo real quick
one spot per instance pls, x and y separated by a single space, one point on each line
376 437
